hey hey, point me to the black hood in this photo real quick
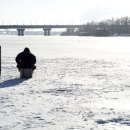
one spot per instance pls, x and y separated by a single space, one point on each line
26 50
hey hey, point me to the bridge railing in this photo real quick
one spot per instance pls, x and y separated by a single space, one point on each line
38 26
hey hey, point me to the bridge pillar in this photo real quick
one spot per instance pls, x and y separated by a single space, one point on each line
20 31
70 30
47 31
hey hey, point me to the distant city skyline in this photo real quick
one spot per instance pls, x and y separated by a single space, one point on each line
60 11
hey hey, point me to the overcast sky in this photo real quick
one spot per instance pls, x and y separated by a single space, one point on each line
61 11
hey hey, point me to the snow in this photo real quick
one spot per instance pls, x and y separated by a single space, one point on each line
81 83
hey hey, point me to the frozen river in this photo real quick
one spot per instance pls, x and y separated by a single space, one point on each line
75 47
81 83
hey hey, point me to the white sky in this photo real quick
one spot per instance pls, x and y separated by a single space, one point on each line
60 11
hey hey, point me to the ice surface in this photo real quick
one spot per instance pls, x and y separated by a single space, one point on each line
81 83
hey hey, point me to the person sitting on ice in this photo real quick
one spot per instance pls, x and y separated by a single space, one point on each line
26 59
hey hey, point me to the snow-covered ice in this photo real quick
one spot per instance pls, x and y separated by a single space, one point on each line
81 83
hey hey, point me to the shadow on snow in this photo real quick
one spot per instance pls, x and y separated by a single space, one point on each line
11 82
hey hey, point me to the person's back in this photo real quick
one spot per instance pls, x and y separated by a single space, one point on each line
26 59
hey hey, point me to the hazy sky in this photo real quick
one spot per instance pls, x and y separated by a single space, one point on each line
60 11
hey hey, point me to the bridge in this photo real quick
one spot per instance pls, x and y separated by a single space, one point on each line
46 28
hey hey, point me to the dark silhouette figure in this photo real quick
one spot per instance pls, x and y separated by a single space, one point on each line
26 59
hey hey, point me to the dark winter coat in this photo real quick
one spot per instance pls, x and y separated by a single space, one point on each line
25 59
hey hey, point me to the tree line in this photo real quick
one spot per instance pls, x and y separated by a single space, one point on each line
108 27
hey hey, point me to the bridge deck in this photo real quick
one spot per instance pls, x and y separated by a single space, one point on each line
38 26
